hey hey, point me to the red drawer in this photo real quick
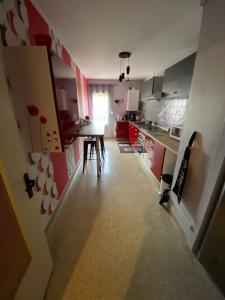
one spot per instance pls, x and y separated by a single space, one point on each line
154 156
158 160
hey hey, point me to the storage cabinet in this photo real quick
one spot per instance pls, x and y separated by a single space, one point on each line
177 78
122 129
154 152
151 87
132 100
157 160
133 134
154 156
44 96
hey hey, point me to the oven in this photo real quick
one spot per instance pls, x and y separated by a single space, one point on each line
140 146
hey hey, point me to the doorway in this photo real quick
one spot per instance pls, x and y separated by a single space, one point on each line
101 108
28 236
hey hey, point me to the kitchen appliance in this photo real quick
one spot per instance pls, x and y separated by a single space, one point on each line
125 118
152 89
133 118
175 132
138 118
140 145
131 115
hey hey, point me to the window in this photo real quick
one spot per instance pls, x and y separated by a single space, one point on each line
101 108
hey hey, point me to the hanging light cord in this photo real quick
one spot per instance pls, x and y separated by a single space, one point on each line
120 65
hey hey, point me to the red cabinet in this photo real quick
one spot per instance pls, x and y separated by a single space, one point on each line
133 134
122 130
154 156
154 152
158 160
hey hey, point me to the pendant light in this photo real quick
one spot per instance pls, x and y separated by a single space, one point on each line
124 71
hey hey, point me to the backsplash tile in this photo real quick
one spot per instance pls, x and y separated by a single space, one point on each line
166 111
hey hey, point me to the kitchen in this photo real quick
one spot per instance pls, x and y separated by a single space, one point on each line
92 220
163 101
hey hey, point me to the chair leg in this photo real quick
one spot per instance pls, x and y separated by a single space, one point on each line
102 147
98 156
92 149
90 155
85 155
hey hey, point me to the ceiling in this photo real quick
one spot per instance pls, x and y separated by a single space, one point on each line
159 33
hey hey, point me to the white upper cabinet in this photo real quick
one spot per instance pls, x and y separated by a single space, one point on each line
132 100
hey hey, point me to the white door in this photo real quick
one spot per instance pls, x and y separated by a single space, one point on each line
13 165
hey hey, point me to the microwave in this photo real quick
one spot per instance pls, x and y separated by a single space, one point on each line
175 132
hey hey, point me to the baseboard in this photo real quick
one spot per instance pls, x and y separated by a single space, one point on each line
63 195
180 213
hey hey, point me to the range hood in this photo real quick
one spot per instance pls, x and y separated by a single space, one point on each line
152 89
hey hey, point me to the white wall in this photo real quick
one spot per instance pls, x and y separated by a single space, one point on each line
205 114
120 91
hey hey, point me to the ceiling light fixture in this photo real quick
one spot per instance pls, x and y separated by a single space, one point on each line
124 72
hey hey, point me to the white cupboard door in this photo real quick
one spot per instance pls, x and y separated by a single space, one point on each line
32 280
33 98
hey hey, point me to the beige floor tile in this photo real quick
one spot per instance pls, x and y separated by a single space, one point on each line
111 240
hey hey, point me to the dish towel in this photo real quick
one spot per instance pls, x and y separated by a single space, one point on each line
179 185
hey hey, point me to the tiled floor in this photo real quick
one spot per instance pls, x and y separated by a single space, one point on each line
112 241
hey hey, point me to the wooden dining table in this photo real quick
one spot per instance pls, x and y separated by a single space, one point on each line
93 130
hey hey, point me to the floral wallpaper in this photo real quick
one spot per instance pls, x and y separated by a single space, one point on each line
70 160
13 23
41 169
22 25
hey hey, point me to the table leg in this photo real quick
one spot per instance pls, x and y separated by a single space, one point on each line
98 157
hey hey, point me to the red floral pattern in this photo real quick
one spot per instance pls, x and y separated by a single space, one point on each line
43 120
32 110
50 211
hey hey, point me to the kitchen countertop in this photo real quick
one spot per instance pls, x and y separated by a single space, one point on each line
164 139
91 129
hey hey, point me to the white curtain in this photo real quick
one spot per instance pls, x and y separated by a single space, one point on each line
93 90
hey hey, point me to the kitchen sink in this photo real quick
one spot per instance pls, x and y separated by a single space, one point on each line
154 130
